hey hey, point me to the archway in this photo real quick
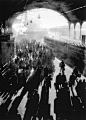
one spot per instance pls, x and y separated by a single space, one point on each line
77 30
83 30
60 7
72 30
36 22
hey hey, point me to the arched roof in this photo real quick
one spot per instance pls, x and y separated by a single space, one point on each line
51 4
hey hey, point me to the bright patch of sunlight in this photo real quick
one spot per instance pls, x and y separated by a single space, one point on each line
83 29
36 20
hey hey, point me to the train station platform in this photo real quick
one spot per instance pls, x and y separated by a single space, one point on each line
69 40
72 41
52 91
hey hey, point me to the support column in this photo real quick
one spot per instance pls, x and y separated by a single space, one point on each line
69 28
74 31
80 32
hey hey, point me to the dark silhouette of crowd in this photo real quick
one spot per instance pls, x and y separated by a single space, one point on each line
31 66
69 106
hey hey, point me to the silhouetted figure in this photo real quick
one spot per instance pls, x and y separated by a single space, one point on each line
46 71
44 106
76 72
72 82
77 103
63 81
39 62
81 90
57 83
60 82
62 67
13 81
32 106
62 104
48 80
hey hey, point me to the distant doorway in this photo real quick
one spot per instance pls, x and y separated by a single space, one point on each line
83 39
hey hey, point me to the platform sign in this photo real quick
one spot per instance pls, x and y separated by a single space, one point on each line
4 37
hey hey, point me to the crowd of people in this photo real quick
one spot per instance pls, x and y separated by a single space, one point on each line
27 59
70 95
31 67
